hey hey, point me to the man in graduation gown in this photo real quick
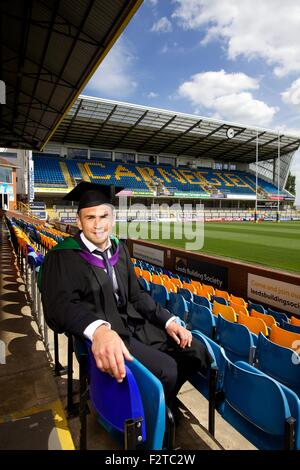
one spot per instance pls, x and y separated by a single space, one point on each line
90 289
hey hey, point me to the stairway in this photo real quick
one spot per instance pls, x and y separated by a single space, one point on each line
66 175
84 173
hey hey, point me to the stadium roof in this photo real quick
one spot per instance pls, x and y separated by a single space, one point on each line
48 51
106 124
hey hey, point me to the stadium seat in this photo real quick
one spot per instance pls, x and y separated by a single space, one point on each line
209 382
295 321
290 327
239 343
201 318
186 293
257 307
222 293
277 315
159 294
178 306
268 319
278 362
118 405
284 338
264 411
237 300
225 310
199 299
255 325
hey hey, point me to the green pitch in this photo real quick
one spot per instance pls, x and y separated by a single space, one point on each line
271 244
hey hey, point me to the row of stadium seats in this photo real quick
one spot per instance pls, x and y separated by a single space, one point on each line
134 176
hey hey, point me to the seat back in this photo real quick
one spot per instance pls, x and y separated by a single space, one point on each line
285 338
115 402
256 325
178 306
153 399
237 300
279 362
290 327
222 293
200 318
186 293
225 310
199 299
268 319
295 321
277 315
159 293
236 339
257 307
255 405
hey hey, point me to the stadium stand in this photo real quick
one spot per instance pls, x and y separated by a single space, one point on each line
140 177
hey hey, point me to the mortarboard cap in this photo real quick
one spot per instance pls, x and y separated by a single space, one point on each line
92 194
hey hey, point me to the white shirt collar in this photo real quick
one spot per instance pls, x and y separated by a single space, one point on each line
90 246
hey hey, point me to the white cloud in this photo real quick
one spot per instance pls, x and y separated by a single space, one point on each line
292 94
153 2
163 25
268 30
152 94
227 96
114 77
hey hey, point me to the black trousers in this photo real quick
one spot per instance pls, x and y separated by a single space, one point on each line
171 364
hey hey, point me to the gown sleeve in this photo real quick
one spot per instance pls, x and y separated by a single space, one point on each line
66 294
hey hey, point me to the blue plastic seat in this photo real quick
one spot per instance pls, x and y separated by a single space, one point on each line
115 402
278 315
145 284
264 411
283 364
186 294
239 343
220 300
178 305
152 394
257 307
139 397
159 293
289 327
200 318
199 299
209 382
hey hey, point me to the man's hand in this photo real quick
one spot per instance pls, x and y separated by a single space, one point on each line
109 352
182 336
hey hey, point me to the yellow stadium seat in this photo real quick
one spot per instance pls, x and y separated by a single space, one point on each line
256 325
170 286
190 287
209 289
285 338
239 308
222 293
268 319
165 277
177 282
146 275
295 321
226 311
237 300
197 284
156 279
138 271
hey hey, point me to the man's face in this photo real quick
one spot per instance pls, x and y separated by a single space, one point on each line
96 223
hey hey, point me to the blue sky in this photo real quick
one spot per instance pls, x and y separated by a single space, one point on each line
236 60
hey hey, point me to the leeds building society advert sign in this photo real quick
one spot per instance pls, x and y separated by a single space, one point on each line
281 295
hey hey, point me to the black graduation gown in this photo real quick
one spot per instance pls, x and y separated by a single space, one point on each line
75 293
